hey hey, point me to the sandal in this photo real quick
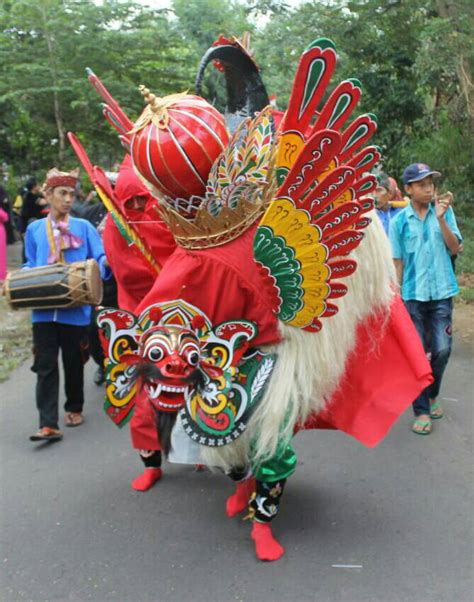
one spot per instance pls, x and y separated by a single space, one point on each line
421 427
47 434
73 419
436 411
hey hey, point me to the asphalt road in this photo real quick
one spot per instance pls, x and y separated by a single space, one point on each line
72 528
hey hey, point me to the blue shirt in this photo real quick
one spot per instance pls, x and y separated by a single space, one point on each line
37 252
387 216
428 273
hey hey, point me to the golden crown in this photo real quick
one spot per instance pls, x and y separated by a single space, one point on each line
239 188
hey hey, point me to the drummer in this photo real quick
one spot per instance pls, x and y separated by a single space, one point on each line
61 238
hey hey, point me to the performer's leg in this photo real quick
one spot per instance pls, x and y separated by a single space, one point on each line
245 486
440 325
96 350
270 482
421 405
45 365
152 473
75 353
144 437
264 507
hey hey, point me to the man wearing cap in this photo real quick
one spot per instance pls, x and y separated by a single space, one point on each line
424 238
60 238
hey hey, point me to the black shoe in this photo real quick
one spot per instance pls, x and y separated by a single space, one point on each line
99 376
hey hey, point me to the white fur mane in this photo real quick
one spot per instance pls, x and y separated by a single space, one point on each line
310 365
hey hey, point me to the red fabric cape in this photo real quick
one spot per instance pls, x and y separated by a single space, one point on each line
386 371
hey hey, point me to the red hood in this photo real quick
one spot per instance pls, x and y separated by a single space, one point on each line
133 275
128 184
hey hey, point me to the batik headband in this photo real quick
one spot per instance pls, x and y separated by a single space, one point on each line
55 178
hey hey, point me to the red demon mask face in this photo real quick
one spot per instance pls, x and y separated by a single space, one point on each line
169 360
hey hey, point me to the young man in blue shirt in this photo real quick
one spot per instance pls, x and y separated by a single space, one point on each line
424 238
55 238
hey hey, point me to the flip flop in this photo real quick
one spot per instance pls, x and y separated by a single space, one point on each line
425 427
73 419
47 434
436 411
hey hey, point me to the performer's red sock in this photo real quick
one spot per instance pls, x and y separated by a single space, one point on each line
239 500
266 546
146 480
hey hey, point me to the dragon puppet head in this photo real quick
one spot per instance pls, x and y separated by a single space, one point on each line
185 366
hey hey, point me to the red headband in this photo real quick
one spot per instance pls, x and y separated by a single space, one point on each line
55 181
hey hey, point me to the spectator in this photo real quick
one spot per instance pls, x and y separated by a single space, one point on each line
385 193
82 203
60 237
424 237
4 218
17 210
6 205
35 206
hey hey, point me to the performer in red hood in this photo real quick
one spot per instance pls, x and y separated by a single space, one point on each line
133 273
135 277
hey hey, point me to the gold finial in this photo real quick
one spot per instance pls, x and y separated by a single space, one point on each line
149 97
157 110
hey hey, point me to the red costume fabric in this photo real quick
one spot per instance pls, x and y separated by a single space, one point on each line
375 390
143 431
133 274
222 281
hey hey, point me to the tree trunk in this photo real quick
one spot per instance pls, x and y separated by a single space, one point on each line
54 76
449 9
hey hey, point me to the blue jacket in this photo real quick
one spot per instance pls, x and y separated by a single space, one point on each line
37 252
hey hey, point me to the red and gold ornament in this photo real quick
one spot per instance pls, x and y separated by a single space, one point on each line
176 141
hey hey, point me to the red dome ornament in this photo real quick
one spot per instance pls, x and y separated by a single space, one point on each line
176 141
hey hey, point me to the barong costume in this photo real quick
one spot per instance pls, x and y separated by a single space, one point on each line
278 310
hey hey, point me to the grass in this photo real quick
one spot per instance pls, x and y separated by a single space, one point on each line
15 339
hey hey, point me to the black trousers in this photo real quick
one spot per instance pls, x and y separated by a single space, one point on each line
96 350
48 338
109 300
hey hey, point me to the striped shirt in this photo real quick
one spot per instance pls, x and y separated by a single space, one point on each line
428 273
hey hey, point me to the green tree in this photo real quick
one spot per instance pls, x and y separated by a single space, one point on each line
44 49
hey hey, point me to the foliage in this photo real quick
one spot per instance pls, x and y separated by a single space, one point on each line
414 58
44 49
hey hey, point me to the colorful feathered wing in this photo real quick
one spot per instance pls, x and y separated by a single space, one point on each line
317 215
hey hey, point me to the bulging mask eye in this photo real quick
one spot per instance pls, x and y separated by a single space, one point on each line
193 358
155 354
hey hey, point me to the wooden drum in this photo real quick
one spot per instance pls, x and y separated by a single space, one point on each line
55 286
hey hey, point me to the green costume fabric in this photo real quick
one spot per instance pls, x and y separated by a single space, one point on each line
280 466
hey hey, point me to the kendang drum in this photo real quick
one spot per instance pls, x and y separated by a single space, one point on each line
55 286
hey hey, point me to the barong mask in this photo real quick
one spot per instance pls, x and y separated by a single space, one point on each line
207 374
169 365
